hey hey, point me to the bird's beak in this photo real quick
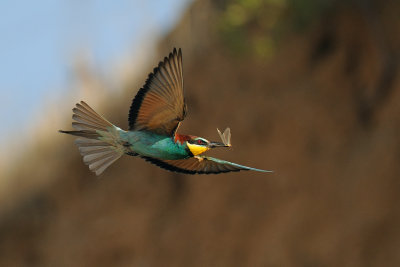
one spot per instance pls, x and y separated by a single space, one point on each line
217 144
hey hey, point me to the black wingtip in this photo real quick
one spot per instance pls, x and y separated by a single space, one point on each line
176 52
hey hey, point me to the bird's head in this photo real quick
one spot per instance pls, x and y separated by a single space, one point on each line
198 145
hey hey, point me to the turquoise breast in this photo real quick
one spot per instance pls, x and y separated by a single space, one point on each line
152 145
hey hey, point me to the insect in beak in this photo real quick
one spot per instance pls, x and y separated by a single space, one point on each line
218 144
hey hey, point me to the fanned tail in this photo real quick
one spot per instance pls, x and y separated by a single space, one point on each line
99 143
97 154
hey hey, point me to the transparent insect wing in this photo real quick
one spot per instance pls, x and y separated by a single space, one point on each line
226 136
220 135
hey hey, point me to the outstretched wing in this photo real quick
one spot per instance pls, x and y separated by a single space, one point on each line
200 165
159 105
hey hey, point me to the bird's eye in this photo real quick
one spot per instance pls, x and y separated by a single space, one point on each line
200 142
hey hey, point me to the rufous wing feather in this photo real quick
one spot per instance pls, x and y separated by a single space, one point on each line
160 105
200 165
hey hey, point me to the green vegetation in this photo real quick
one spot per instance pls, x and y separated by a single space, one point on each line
255 26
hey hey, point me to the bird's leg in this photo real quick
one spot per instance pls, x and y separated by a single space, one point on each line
199 158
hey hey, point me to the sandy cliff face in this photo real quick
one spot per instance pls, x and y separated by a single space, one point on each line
322 112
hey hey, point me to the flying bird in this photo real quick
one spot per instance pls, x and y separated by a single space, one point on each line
154 117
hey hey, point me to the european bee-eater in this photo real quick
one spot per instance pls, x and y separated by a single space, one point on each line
154 117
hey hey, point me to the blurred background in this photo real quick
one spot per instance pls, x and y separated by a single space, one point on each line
309 88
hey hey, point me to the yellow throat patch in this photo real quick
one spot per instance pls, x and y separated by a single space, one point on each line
196 149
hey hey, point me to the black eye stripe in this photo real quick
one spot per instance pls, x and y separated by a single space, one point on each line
198 142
